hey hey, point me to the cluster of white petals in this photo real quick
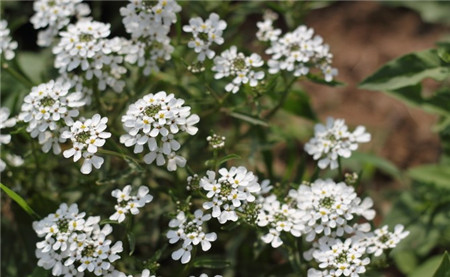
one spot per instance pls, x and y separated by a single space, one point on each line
87 136
149 25
232 189
127 203
55 15
334 140
153 121
296 51
73 245
49 109
205 33
232 63
189 229
7 45
5 122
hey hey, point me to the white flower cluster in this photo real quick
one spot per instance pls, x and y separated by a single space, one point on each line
48 109
7 45
279 217
328 208
234 188
153 121
334 140
5 122
85 54
55 15
216 141
296 51
73 245
149 25
328 215
127 203
86 137
205 33
241 68
205 275
190 230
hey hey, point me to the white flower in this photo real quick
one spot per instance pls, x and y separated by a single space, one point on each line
216 142
296 51
329 207
190 231
55 15
127 203
233 64
5 122
86 137
233 188
334 140
153 121
48 109
381 239
266 32
7 45
205 33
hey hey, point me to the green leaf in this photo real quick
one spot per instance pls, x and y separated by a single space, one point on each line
20 201
319 80
249 119
427 268
131 242
39 272
378 162
439 175
228 158
408 70
211 262
108 221
444 268
298 104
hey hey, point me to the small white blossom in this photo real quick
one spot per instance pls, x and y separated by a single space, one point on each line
266 32
127 203
216 142
87 136
233 64
5 122
381 239
205 33
7 45
153 121
334 140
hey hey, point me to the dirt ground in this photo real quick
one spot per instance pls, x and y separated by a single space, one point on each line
363 36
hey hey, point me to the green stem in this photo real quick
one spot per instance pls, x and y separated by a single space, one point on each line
341 172
19 77
282 99
117 154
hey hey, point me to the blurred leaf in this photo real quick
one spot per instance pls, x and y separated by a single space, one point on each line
444 54
228 158
131 242
408 70
108 221
439 175
427 268
406 261
248 118
319 80
378 162
211 262
39 272
20 201
298 103
444 268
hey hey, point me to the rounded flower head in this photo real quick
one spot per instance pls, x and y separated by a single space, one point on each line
334 140
7 45
153 121
127 203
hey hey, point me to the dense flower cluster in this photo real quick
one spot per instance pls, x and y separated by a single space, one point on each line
73 245
149 25
55 15
190 231
48 109
7 45
334 140
5 122
216 141
235 64
233 188
86 137
127 203
296 51
205 33
153 121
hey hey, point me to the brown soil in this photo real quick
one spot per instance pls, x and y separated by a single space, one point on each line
363 36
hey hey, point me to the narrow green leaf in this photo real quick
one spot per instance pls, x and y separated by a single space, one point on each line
378 162
408 70
439 175
20 201
228 158
211 262
249 119
427 268
131 242
298 103
444 267
108 221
